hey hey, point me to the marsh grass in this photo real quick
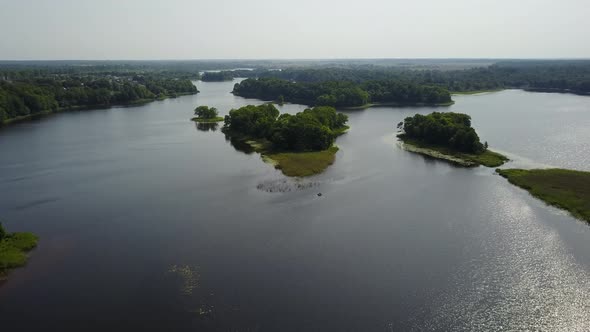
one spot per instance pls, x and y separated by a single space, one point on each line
207 120
13 250
566 189
303 163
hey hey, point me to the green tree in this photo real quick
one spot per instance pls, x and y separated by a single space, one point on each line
206 112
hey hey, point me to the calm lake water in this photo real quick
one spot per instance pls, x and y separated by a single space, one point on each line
148 222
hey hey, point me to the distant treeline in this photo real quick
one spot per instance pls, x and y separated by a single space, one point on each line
551 75
217 76
28 97
341 93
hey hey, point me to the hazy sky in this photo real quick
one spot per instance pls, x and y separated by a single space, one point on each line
240 29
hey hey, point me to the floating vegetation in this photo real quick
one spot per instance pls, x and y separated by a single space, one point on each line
286 185
189 276
203 311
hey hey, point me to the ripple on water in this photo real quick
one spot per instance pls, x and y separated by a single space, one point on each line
523 279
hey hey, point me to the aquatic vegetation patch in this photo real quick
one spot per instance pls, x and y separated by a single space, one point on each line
188 276
286 185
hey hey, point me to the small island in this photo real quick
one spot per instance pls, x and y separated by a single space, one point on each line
299 145
447 136
13 250
566 189
206 114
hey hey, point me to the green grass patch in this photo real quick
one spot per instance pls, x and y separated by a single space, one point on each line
208 120
566 189
303 163
14 248
487 158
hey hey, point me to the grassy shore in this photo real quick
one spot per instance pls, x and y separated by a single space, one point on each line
205 120
488 158
299 164
566 189
13 251
303 163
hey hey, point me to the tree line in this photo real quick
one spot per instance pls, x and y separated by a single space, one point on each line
28 97
341 93
217 76
311 130
552 75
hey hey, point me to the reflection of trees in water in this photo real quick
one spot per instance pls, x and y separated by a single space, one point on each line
207 126
239 144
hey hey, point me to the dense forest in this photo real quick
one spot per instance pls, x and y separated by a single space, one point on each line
217 76
26 97
341 93
311 130
33 87
446 129
550 75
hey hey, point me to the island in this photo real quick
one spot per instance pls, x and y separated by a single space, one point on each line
344 94
299 145
566 189
206 114
13 250
447 136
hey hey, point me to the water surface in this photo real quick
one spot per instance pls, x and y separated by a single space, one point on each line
125 198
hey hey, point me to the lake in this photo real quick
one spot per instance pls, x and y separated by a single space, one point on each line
147 221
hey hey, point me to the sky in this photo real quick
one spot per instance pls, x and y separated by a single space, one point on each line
292 29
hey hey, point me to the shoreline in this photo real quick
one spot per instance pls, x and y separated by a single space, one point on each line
14 251
565 189
488 159
360 107
138 102
290 163
205 120
475 92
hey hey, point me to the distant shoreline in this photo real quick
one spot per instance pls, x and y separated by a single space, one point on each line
138 102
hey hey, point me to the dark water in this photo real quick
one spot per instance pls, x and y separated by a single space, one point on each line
148 222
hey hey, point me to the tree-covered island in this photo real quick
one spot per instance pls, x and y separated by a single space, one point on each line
13 250
206 114
566 189
298 145
346 94
447 136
